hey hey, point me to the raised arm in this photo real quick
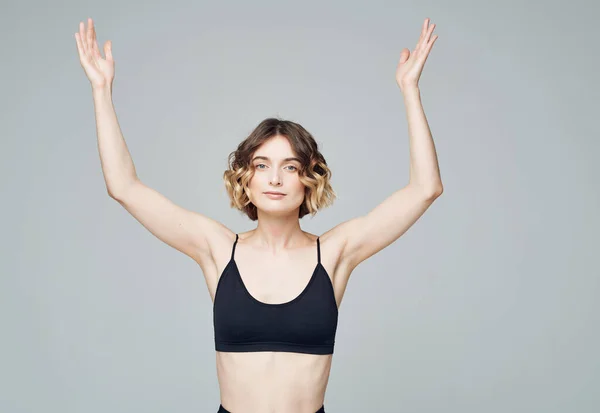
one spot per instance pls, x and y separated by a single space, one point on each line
366 235
184 230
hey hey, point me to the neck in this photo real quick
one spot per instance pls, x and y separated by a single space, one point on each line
278 233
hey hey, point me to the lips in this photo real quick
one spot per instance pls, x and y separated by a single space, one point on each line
275 193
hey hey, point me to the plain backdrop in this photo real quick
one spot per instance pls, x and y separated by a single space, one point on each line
489 303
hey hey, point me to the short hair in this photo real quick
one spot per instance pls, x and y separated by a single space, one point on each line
313 172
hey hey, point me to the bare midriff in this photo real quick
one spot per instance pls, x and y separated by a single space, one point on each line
270 381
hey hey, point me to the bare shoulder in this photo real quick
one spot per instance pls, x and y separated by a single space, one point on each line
333 242
336 237
219 244
217 255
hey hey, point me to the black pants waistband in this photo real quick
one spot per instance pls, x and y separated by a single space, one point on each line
223 410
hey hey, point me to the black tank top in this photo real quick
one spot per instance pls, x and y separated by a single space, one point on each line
306 324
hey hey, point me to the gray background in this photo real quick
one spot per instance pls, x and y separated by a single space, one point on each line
488 304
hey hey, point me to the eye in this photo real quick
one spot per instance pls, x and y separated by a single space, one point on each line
258 166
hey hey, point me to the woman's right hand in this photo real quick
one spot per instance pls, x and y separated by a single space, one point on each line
99 71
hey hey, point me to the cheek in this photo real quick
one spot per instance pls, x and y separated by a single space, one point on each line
300 189
254 179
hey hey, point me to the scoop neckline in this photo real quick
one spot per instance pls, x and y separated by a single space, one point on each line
292 301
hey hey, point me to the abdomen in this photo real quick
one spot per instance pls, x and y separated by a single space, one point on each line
272 381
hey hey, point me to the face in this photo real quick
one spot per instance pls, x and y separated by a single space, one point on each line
273 172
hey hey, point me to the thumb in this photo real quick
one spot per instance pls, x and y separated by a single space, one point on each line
404 55
108 50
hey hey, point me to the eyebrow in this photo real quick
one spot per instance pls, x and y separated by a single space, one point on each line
285 160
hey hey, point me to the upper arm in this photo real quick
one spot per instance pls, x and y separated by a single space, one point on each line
366 235
186 231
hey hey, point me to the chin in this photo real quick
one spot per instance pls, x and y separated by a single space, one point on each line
277 207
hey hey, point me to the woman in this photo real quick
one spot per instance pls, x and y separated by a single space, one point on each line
276 290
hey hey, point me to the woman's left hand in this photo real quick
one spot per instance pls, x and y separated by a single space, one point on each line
411 65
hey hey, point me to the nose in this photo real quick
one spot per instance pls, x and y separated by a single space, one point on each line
275 179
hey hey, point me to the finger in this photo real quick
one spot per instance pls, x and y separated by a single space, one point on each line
79 46
430 44
423 29
95 42
404 55
422 46
82 38
84 57
427 49
428 35
90 36
108 50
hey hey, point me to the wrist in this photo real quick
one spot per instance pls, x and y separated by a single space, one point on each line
409 88
100 91
411 91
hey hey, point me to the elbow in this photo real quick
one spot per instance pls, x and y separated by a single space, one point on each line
118 190
429 190
434 191
116 193
112 194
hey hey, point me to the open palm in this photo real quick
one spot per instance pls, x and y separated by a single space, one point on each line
99 71
411 65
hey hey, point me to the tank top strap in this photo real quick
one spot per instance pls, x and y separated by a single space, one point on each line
234 244
318 250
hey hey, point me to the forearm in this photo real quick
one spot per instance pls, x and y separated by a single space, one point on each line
424 168
115 159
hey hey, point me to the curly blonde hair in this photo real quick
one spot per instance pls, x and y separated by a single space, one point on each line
313 173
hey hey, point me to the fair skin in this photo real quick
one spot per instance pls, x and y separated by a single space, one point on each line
278 226
270 381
